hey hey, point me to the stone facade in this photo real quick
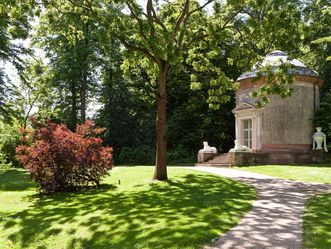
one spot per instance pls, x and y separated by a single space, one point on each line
283 125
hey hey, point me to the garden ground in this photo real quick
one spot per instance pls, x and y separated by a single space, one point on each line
129 211
317 216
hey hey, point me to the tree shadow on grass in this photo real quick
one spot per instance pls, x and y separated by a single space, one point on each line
185 212
15 180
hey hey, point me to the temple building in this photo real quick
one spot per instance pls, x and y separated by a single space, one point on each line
284 124
280 132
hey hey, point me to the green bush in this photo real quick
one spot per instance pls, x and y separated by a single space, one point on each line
9 139
145 155
322 117
180 155
139 155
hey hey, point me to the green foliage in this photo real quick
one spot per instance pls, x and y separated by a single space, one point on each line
191 121
317 31
322 117
36 92
127 104
180 155
163 37
9 139
277 81
69 34
14 27
139 155
317 37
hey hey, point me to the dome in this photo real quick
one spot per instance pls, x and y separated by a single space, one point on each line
276 58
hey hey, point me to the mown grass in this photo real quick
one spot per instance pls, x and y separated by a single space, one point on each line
129 211
308 173
317 215
317 222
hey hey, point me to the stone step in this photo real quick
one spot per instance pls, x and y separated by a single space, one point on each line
220 159
221 165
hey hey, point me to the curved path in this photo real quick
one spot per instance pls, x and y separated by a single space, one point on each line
275 220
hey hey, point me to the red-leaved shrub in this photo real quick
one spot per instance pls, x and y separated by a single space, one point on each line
59 159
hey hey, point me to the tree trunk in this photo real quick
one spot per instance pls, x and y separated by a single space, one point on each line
161 138
84 76
83 99
72 122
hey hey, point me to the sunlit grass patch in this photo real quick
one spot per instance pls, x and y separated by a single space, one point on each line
307 173
317 222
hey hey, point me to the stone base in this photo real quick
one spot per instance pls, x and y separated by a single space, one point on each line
319 156
258 158
247 158
203 157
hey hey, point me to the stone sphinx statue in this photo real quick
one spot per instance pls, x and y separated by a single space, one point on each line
207 149
206 153
239 148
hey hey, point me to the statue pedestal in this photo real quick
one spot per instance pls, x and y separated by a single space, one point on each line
241 158
318 156
205 156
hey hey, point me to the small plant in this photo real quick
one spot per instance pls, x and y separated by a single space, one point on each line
59 159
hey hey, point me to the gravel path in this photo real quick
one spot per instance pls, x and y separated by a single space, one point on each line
276 218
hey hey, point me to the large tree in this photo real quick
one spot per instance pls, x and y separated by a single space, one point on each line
14 27
68 35
162 37
166 35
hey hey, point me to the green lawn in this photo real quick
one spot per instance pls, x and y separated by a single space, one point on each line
317 216
189 210
308 173
317 222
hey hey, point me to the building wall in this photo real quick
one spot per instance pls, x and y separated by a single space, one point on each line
290 120
286 121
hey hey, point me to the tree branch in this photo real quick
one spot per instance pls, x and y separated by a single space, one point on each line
87 7
155 17
149 9
243 39
186 18
194 39
140 22
181 17
200 7
231 18
141 25
138 49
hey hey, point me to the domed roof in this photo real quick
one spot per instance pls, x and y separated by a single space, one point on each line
276 58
